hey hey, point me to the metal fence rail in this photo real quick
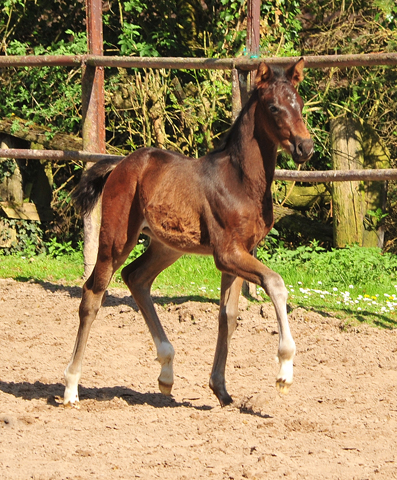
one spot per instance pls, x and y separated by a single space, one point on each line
317 176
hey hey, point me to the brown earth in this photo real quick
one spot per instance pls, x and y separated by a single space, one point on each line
339 420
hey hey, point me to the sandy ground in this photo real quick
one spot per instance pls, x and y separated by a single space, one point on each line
339 420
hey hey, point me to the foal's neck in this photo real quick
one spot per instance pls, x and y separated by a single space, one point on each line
254 152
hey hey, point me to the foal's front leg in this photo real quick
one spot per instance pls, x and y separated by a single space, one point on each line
249 268
228 311
275 288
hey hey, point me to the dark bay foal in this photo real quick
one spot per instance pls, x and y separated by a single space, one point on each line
220 205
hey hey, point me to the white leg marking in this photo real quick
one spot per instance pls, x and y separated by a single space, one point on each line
165 356
71 395
286 347
286 359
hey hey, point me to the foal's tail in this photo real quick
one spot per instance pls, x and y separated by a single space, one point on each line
91 185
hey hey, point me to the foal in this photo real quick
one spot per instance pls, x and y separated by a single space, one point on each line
220 205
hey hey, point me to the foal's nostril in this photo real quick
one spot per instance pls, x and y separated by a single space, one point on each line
302 149
305 148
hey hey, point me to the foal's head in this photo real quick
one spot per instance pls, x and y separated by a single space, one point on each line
282 109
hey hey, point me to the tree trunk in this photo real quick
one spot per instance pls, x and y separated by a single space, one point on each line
356 146
11 188
33 133
376 155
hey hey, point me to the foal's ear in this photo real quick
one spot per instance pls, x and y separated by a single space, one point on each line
263 75
295 72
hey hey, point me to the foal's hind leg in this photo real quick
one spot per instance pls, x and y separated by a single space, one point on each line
93 295
139 276
228 310
92 299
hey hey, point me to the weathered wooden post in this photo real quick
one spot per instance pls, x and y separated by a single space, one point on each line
376 155
356 146
11 188
253 34
347 154
93 122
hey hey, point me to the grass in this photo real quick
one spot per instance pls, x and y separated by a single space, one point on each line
354 284
67 269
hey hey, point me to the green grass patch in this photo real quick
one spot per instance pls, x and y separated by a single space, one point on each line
190 276
355 284
68 269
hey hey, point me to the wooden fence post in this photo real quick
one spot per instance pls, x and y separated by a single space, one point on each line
246 82
93 123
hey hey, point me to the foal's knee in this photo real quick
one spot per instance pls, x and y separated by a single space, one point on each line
274 285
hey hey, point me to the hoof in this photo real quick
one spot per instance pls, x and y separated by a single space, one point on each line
75 405
165 388
282 386
221 394
225 401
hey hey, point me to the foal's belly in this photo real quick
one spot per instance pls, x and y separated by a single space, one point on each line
182 231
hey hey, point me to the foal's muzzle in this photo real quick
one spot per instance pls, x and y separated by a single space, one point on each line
302 149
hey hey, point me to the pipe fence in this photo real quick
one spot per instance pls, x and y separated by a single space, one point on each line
241 64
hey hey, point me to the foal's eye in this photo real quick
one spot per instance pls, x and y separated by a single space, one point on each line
273 108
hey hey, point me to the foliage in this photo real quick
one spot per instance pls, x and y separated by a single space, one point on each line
364 93
156 109
35 238
352 265
7 168
49 96
361 92
177 28
280 28
353 282
30 237
187 110
39 23
56 249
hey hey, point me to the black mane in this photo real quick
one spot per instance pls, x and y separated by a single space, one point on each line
232 136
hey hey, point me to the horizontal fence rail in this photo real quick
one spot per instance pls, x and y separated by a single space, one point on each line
245 63
242 63
54 154
296 175
320 176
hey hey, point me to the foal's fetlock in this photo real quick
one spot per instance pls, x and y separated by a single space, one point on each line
285 375
71 394
165 355
218 387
